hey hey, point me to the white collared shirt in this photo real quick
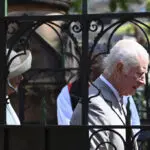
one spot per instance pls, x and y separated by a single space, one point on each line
111 87
11 116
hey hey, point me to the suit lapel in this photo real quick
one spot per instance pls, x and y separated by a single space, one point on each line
110 98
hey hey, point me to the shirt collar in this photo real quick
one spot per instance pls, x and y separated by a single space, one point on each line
111 87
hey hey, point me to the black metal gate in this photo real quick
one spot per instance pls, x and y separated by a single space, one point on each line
75 42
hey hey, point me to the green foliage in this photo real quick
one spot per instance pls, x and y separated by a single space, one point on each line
141 104
148 5
76 6
113 5
130 29
122 4
126 29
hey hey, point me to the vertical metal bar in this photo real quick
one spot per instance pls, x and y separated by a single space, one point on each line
2 8
84 70
3 73
21 92
129 144
46 139
84 6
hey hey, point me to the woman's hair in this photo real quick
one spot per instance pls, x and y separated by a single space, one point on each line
125 51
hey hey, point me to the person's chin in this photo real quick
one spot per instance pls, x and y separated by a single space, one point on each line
129 93
132 92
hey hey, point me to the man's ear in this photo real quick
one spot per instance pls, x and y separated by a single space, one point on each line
119 67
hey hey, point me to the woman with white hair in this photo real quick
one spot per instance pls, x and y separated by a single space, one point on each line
19 63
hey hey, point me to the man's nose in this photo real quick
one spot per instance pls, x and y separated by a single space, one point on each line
142 81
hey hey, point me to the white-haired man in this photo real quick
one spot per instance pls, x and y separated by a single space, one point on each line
125 69
70 94
19 65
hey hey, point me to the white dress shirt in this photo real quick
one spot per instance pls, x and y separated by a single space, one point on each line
11 116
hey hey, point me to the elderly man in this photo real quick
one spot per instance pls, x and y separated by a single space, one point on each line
19 65
66 101
125 69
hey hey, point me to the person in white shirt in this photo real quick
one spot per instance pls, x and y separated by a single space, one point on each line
64 99
17 66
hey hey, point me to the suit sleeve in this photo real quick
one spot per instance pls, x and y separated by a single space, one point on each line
99 139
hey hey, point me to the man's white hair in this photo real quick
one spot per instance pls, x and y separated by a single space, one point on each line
126 51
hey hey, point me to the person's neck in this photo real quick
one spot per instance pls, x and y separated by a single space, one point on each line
112 80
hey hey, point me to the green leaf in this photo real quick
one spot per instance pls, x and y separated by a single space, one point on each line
123 4
113 5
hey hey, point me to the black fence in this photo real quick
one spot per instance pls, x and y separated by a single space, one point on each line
79 35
